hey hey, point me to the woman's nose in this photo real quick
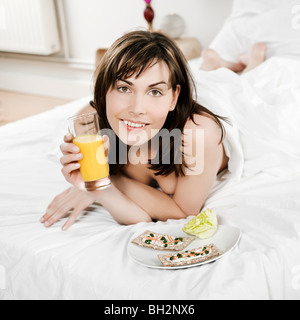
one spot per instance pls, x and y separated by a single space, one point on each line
137 106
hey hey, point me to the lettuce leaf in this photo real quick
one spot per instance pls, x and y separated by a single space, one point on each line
203 226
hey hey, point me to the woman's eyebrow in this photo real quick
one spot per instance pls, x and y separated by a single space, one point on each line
158 83
128 82
150 86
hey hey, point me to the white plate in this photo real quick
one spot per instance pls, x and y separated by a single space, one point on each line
226 239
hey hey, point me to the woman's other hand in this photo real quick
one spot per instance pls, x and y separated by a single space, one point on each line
72 199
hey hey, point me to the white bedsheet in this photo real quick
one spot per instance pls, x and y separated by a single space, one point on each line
279 29
90 260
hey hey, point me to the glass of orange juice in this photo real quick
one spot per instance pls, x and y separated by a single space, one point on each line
93 166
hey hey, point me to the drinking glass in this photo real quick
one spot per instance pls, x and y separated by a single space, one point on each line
94 168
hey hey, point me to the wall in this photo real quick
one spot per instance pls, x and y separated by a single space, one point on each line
101 22
93 24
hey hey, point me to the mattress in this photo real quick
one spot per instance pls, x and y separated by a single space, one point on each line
90 261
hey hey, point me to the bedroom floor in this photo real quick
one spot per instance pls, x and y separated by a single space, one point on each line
15 106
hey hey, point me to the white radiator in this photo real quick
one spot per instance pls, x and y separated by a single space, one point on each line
28 26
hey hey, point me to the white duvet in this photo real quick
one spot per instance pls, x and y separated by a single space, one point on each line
90 261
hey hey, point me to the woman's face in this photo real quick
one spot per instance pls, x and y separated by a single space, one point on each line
137 108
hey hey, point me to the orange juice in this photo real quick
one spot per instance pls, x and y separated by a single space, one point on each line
93 165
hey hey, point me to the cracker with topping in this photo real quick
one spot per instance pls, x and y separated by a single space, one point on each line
193 256
157 241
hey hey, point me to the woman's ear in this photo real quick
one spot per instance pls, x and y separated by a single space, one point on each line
176 94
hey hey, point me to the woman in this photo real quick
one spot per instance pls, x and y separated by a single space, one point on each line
144 88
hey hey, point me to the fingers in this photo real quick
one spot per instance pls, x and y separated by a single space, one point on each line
57 209
62 205
67 148
68 169
73 217
67 159
68 137
72 201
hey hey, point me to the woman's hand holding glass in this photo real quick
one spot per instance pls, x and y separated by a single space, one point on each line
71 156
69 160
75 199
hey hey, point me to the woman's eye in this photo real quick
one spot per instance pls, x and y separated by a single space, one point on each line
123 89
155 93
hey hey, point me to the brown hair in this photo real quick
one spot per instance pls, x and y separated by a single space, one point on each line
131 55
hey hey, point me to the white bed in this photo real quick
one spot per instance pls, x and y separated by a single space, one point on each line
90 261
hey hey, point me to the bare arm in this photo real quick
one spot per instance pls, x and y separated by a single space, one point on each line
191 190
130 201
122 209
157 204
119 205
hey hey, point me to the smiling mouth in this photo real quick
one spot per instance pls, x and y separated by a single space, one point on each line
135 124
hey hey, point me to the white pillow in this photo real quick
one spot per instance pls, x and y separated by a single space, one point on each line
248 8
263 106
267 111
272 22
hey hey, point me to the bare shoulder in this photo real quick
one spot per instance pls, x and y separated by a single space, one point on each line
205 158
207 126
